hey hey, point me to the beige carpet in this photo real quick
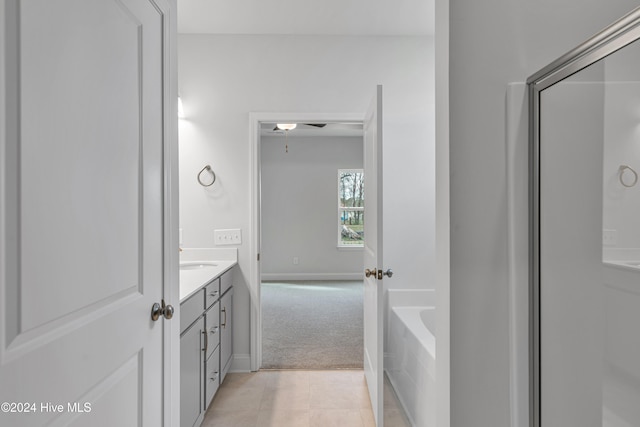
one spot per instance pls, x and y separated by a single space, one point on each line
312 325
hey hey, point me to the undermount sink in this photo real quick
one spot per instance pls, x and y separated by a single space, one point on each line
197 265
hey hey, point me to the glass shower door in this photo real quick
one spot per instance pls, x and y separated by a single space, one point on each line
585 278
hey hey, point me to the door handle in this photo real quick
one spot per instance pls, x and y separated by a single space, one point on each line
387 273
379 274
158 310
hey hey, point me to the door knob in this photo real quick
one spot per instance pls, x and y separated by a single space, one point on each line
387 273
369 273
158 310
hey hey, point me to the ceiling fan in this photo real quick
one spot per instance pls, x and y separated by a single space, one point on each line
317 125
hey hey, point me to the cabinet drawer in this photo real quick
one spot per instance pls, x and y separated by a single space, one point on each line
212 326
212 377
191 309
212 292
226 281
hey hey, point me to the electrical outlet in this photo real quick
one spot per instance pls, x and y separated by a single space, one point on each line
295 260
609 237
228 237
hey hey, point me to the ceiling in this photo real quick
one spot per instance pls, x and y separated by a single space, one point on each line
307 17
330 130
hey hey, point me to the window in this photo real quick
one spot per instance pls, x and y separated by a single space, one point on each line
350 208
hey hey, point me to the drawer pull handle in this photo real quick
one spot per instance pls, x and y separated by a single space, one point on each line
224 324
206 340
215 377
213 294
214 330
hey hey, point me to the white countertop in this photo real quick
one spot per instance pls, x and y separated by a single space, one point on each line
193 280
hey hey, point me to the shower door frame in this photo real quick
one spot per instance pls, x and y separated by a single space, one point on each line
614 37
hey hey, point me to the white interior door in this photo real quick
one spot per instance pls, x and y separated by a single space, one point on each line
373 260
81 209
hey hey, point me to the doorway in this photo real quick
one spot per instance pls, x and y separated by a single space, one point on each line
309 301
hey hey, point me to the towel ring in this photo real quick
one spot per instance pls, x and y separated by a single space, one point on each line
213 175
621 171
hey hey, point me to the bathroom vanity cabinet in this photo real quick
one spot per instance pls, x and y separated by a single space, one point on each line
206 346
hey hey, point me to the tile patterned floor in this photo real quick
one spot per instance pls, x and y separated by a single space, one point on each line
298 399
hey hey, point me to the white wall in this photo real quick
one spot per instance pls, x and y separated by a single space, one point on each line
491 44
300 207
223 78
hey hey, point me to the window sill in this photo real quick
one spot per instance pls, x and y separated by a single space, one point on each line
350 248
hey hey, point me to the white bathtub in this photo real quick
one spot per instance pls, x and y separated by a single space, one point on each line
410 361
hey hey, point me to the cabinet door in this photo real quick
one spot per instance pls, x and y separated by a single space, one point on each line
212 326
212 377
226 335
191 373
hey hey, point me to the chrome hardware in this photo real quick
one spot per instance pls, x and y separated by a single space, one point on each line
213 176
224 324
369 273
158 310
215 377
214 330
213 294
168 312
387 273
633 181
206 340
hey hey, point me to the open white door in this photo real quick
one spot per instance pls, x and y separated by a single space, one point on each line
373 260
83 211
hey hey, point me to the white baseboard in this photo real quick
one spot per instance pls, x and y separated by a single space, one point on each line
241 363
311 276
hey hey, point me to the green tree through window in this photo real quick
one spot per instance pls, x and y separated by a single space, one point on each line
350 207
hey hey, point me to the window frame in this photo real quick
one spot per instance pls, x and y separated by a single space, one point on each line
342 209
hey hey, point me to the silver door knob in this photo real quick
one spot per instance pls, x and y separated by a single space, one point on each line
369 273
158 310
388 273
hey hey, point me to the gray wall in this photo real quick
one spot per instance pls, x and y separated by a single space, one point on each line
300 207
491 44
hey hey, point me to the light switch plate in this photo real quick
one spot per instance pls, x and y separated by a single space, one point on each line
232 236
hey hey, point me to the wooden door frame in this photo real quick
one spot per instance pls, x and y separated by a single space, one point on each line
255 120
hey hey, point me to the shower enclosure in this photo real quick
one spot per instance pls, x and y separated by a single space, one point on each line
585 233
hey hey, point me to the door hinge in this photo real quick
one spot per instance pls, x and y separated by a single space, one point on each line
258 257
